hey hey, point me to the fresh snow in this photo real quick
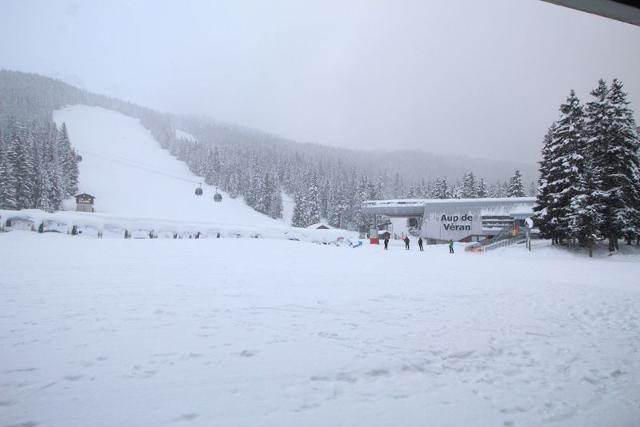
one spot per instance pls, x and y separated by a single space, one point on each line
132 176
248 332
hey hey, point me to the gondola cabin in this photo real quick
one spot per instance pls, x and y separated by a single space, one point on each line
84 202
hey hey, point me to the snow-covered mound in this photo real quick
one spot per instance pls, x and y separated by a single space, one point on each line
131 175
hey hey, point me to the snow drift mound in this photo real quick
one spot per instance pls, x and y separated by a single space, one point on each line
131 175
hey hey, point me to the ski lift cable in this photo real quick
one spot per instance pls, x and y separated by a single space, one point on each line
141 166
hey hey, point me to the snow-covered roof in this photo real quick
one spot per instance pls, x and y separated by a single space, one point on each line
417 207
423 202
320 225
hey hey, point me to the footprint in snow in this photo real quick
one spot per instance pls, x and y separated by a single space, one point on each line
187 417
378 372
27 424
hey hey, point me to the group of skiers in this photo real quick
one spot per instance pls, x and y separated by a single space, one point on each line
407 243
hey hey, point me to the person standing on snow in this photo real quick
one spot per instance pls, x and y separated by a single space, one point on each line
406 242
420 243
450 246
386 242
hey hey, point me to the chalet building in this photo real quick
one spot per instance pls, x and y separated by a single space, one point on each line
84 202
319 226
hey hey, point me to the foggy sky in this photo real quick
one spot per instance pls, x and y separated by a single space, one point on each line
454 77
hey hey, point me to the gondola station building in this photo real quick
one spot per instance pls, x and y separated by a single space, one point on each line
463 220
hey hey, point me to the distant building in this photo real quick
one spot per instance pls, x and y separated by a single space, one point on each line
439 220
319 226
84 202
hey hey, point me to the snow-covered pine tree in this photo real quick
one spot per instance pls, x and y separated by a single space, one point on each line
42 196
7 178
423 190
338 207
493 191
55 189
546 210
69 163
614 146
567 162
411 194
584 215
481 189
456 190
324 197
516 189
275 205
312 200
299 211
398 186
263 188
623 154
440 189
20 155
468 186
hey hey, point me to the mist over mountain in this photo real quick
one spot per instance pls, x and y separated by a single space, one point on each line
331 182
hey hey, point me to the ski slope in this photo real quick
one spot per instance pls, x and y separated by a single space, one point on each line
132 176
260 332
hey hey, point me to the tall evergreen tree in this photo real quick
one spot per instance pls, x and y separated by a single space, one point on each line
299 211
567 164
547 212
585 214
20 154
468 186
623 154
516 189
7 180
614 144
481 189
312 200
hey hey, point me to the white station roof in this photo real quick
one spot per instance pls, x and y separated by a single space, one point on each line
417 207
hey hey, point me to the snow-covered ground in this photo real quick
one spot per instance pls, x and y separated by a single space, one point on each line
288 205
257 332
132 176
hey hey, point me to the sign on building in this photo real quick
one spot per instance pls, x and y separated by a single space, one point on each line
452 224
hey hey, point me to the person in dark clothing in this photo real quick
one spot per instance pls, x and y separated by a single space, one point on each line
420 244
450 246
386 242
406 242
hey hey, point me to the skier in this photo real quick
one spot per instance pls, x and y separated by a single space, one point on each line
450 246
420 244
406 242
386 242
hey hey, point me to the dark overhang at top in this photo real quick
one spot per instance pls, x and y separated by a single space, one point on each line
625 11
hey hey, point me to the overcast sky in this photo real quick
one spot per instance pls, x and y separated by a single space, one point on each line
480 78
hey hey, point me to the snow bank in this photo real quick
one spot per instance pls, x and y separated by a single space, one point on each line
114 226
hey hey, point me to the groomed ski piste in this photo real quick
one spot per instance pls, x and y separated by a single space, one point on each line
274 332
141 188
